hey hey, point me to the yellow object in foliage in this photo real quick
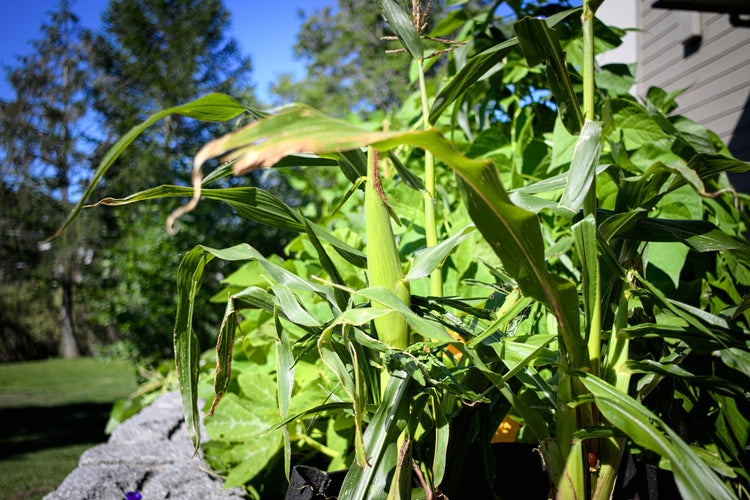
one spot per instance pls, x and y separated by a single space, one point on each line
507 431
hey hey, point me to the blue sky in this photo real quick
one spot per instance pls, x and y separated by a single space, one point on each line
266 31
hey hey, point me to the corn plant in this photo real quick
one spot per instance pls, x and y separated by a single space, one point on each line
612 271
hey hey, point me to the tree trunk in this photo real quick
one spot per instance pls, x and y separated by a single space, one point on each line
69 344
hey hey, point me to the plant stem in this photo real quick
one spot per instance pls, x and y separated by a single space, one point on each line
588 61
436 278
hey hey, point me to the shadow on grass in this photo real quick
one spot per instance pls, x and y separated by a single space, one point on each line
35 428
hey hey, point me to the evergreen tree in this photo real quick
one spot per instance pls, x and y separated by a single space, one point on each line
44 144
152 55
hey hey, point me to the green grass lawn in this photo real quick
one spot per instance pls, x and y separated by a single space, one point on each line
52 411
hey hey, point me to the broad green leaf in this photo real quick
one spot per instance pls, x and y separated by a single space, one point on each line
635 125
245 424
252 458
211 107
694 478
240 419
540 44
583 166
428 259
477 67
401 24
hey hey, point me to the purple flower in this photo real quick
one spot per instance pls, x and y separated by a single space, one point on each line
133 495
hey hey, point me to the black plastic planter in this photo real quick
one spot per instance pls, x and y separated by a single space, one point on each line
519 475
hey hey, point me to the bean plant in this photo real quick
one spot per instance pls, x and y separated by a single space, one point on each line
524 241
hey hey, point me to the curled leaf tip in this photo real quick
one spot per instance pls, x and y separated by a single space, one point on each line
197 178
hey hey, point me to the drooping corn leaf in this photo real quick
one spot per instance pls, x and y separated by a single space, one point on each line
714 383
254 204
212 107
694 478
189 279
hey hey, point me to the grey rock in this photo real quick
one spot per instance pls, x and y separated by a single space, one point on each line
150 453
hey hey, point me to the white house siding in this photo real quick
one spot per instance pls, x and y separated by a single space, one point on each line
717 72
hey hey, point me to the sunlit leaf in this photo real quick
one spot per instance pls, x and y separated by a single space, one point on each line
211 107
401 24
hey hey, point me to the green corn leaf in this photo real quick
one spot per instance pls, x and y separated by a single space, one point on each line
701 236
428 259
477 67
584 233
254 204
284 384
540 44
353 164
554 183
442 435
697 339
372 481
713 383
285 300
401 24
389 300
347 372
694 478
186 348
342 298
250 202
409 179
211 107
582 166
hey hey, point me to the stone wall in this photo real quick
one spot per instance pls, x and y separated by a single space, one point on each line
151 454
